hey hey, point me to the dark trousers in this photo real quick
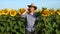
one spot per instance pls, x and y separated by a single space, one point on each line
27 32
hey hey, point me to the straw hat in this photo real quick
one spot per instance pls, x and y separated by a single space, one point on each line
32 5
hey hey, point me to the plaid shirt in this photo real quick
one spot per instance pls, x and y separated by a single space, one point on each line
30 21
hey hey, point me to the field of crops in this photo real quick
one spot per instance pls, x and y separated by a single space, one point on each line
11 22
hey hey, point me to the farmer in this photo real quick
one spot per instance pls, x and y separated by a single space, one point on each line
31 18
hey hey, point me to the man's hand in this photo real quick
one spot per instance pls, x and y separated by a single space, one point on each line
26 10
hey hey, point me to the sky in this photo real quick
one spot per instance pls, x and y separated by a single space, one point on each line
16 4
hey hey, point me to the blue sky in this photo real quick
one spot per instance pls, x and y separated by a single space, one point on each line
16 4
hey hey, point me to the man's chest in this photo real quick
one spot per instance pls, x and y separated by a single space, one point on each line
31 18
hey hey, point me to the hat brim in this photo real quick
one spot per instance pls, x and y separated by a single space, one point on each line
32 6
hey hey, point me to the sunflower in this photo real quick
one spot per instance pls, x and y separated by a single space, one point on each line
58 12
5 11
0 12
45 13
21 10
52 11
13 12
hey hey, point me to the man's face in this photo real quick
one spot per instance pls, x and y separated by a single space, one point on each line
31 9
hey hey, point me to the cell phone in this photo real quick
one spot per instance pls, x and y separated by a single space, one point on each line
28 9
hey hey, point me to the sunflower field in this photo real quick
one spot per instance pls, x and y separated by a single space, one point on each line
11 22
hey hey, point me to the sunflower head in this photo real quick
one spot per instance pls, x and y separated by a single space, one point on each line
45 13
52 11
58 12
13 12
5 11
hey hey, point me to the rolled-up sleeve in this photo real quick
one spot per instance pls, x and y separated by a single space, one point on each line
24 16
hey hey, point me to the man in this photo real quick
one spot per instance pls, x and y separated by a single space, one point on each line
31 18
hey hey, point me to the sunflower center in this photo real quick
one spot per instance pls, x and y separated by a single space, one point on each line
5 11
12 12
